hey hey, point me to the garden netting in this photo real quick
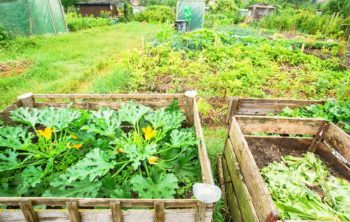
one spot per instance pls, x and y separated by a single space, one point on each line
192 11
32 17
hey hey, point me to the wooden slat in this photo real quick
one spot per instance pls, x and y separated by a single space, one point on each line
278 125
27 100
105 215
262 107
159 215
116 208
109 96
200 215
28 211
338 139
73 211
244 198
221 177
99 202
207 175
97 105
263 204
300 143
231 196
327 155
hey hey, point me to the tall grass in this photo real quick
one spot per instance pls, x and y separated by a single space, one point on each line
69 62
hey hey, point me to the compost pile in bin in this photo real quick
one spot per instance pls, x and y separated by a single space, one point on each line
129 153
304 189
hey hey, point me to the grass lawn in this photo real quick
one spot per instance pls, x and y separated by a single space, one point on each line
69 62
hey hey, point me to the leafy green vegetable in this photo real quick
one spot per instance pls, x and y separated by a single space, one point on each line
105 123
83 188
337 112
106 153
95 164
162 186
15 137
303 189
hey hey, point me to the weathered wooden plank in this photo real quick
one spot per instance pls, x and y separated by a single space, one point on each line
231 196
339 140
278 125
263 204
300 143
200 214
326 154
105 215
221 177
109 96
96 105
207 175
116 208
73 211
28 211
159 215
242 193
27 100
263 107
99 202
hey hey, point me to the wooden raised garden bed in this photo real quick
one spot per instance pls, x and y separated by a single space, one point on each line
110 209
245 154
263 107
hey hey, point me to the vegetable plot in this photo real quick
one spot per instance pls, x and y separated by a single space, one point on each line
303 189
66 152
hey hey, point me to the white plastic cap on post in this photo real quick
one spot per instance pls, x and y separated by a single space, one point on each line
206 193
191 93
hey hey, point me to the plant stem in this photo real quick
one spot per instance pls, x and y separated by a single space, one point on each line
144 162
120 169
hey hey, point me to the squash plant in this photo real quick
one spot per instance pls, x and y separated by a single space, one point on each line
65 152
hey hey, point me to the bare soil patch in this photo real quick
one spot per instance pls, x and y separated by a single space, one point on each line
12 68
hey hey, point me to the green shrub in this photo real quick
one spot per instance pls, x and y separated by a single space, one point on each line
76 22
157 14
303 21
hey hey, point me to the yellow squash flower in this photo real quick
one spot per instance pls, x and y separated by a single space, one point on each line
153 160
149 132
121 150
46 133
74 137
77 146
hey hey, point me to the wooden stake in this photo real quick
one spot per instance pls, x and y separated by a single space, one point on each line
28 211
73 211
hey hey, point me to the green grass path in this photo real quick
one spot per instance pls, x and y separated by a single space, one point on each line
68 63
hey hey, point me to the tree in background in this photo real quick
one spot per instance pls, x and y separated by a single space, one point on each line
68 3
338 6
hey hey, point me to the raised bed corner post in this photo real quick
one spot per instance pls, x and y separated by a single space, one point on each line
232 109
27 100
190 99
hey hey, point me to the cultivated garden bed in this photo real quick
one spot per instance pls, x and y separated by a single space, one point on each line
257 145
115 157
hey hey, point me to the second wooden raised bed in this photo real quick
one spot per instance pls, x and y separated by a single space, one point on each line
246 192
